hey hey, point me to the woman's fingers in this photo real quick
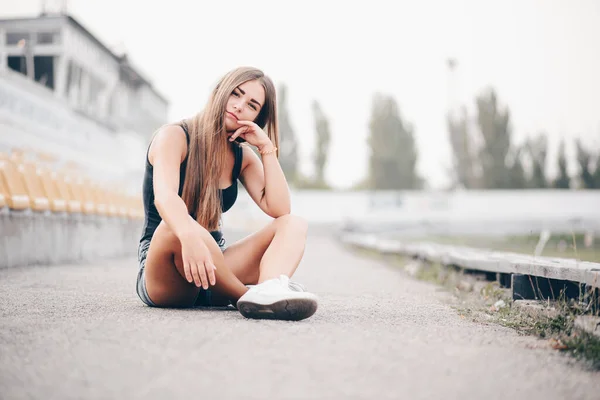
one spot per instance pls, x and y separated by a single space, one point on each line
202 273
195 274
210 271
238 132
187 271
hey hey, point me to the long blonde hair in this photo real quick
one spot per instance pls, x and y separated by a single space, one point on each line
207 150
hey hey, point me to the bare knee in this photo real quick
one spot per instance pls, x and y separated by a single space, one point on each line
166 235
294 223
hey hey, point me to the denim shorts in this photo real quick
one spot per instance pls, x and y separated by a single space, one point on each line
204 296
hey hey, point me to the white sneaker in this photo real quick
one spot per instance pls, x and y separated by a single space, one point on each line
274 299
295 286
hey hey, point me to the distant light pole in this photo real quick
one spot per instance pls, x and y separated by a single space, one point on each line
451 63
28 54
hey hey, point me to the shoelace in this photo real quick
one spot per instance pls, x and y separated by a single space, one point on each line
295 286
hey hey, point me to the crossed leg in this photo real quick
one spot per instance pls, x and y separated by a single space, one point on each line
274 250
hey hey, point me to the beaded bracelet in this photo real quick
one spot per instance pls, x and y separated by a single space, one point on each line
273 150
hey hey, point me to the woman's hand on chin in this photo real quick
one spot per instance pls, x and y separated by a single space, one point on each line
251 133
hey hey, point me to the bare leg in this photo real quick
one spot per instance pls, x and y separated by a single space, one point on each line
165 277
274 250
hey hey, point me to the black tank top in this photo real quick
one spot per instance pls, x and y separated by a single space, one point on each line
151 216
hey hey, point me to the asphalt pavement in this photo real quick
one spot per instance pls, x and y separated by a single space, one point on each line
80 332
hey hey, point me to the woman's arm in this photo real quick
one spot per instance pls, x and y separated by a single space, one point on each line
167 151
265 182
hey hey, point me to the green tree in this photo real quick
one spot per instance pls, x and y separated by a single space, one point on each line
584 159
538 150
518 180
322 143
562 181
288 152
462 151
596 175
393 156
495 130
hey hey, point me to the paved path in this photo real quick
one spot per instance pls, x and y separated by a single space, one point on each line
80 332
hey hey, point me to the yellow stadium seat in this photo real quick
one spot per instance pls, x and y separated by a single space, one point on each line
131 210
46 157
58 203
88 202
17 155
138 206
17 198
63 191
112 201
33 185
99 196
74 203
3 192
123 210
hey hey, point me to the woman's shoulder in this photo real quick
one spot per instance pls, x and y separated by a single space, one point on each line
169 139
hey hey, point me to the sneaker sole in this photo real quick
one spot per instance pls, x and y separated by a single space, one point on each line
288 310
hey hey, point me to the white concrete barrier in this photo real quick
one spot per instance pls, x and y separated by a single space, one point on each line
484 260
32 238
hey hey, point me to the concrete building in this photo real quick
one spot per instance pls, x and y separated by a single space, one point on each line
64 92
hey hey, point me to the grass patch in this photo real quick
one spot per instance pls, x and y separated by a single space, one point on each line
559 331
585 346
431 273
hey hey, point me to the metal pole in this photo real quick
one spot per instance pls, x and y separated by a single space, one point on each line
25 45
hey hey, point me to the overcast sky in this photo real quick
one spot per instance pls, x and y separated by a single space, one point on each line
542 57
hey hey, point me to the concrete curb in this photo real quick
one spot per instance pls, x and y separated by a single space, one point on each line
562 277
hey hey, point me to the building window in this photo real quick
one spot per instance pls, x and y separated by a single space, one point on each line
42 67
73 84
96 87
48 37
13 38
44 70
18 63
